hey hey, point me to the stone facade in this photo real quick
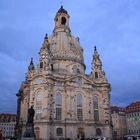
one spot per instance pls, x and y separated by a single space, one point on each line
68 103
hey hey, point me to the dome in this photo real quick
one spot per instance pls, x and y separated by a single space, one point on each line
62 10
64 46
65 50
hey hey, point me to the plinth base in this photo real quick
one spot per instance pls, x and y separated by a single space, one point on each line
29 132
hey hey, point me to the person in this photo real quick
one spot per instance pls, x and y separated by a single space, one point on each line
31 113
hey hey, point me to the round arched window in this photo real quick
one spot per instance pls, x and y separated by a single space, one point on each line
98 132
58 99
79 100
74 69
59 131
63 20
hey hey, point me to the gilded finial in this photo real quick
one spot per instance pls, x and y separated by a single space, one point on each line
95 49
46 36
31 60
31 66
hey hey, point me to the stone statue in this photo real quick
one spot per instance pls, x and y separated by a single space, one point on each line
29 130
31 113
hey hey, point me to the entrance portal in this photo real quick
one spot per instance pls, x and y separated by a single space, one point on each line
37 132
81 133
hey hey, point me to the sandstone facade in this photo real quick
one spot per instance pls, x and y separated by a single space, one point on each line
68 103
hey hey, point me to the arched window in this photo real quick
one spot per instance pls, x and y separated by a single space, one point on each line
41 65
59 131
69 45
79 107
79 100
74 69
63 21
52 67
38 111
95 108
98 132
58 101
96 75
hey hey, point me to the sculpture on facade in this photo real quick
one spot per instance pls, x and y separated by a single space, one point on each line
29 132
31 113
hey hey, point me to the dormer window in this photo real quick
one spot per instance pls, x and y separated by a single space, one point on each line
96 75
63 21
69 45
74 69
41 65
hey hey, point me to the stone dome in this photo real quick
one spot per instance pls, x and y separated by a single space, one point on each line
62 10
65 52
64 46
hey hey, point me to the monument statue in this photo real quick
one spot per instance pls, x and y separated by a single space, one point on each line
29 131
31 113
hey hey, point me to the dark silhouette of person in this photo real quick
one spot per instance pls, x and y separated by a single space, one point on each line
31 113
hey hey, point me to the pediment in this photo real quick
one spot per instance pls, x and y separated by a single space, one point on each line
80 80
39 79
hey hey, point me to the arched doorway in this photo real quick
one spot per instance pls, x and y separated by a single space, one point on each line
98 132
81 133
37 132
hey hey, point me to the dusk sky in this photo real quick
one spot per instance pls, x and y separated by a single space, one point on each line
112 25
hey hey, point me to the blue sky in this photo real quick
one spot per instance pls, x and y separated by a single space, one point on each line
112 25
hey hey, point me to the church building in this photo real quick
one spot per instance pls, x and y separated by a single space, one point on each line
68 103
